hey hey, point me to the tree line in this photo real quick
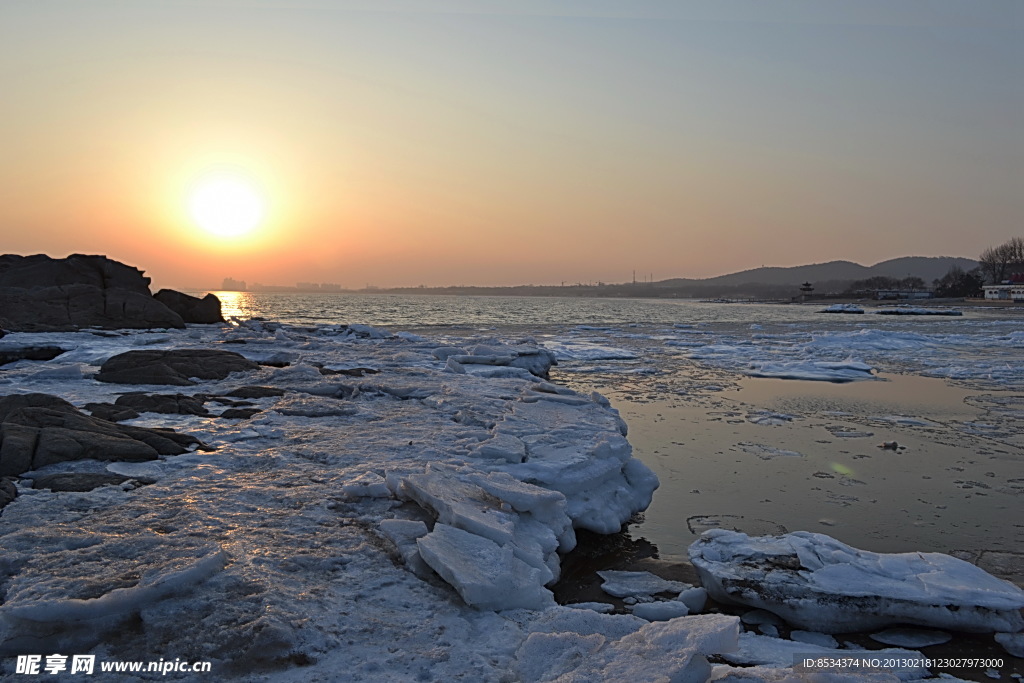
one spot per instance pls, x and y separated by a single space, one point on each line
995 264
999 263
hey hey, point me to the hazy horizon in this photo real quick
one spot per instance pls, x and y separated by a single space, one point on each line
400 143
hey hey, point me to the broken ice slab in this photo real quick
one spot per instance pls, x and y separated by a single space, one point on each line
485 574
817 583
635 584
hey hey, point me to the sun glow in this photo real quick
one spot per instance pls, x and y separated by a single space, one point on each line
226 204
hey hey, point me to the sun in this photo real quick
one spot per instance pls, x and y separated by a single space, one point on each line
226 204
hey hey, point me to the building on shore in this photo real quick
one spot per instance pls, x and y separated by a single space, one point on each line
1007 290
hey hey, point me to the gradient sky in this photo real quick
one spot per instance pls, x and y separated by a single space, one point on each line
506 142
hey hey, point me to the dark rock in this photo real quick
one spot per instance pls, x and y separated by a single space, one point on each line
43 294
8 492
191 309
38 430
83 481
41 270
109 411
256 392
9 354
174 366
240 413
162 403
228 402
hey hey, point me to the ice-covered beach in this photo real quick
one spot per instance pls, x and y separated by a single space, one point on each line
355 525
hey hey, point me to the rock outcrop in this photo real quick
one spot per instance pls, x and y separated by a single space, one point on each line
192 309
8 492
42 294
178 404
174 366
9 354
39 429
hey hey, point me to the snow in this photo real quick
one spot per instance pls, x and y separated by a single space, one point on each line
351 514
817 583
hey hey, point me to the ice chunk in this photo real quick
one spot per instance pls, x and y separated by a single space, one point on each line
755 649
369 332
485 574
842 308
534 531
501 447
694 599
826 371
571 349
366 485
911 637
814 638
672 650
817 583
1013 643
660 611
634 584
601 607
403 534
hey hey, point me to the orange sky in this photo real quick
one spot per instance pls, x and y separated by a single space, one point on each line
400 143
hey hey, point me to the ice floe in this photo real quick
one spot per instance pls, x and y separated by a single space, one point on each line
817 583
825 371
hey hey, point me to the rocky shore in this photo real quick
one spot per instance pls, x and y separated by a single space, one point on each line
289 502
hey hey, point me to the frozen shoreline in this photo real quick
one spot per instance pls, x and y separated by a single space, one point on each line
283 515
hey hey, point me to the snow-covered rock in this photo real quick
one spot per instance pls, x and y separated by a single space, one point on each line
817 583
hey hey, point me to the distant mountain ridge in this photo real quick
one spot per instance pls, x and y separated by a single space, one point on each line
928 268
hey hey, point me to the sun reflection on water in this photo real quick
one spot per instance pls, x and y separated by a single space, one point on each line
239 304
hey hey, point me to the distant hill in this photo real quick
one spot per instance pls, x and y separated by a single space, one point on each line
927 268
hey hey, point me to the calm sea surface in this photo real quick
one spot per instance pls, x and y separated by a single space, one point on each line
405 310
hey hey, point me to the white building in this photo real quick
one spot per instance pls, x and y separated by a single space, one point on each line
1005 292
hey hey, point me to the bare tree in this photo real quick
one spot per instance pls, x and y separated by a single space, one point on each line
998 262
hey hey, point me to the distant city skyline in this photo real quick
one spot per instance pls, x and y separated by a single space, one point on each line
447 142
